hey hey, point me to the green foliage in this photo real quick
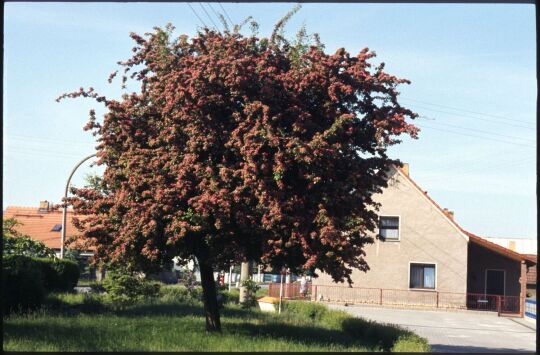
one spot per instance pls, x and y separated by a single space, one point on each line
313 311
15 243
59 274
388 337
22 284
410 343
230 297
26 280
92 325
124 288
251 290
177 293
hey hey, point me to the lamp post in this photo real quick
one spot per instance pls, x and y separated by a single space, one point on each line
64 211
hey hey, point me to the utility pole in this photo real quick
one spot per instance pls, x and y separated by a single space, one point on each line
64 210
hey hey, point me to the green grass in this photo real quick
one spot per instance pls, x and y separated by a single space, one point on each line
76 322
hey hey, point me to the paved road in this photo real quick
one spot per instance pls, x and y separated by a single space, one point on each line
457 331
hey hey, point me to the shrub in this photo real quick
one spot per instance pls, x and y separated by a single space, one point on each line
96 287
230 297
58 274
22 284
304 309
251 291
123 288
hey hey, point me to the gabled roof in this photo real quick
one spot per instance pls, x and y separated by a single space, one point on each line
468 235
39 224
500 249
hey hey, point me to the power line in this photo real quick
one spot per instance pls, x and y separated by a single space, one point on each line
200 19
214 11
477 118
469 111
226 14
207 15
41 140
467 172
474 136
479 130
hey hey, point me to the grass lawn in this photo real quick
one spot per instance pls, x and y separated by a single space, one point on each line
75 322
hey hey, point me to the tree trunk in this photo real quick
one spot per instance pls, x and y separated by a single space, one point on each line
211 309
245 271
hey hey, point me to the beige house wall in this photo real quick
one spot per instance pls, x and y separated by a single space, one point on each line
426 235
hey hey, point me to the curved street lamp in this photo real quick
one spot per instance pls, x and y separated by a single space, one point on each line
64 212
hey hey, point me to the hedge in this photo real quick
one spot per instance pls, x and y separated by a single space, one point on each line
22 284
26 280
59 274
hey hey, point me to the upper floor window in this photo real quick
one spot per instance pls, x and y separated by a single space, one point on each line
389 228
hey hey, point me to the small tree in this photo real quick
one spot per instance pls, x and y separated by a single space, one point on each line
241 148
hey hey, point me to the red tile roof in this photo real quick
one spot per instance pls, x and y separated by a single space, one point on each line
39 224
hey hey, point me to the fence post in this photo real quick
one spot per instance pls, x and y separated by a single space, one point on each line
498 305
437 299
380 296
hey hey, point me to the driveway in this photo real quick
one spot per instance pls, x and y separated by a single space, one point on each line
456 331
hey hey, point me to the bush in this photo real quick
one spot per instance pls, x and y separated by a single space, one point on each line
22 284
59 275
304 309
251 290
230 297
123 288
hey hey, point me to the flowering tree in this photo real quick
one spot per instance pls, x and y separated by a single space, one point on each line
241 148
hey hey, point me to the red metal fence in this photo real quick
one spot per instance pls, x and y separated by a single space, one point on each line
395 297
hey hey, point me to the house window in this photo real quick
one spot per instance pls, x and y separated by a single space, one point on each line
56 228
389 228
422 276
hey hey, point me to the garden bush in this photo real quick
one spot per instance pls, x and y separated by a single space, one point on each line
174 294
22 284
310 310
251 291
123 288
230 297
58 274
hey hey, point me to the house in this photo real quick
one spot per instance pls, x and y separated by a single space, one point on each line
424 258
44 224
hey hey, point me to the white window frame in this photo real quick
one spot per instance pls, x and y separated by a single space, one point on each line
504 280
399 227
423 289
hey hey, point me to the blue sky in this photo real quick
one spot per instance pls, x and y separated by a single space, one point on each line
472 69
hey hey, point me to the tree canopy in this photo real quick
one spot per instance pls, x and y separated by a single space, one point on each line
242 148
